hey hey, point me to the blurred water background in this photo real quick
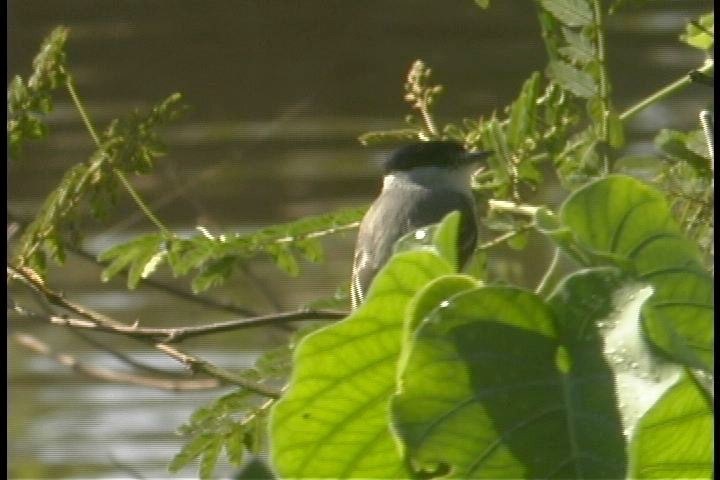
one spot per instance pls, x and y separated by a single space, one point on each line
279 92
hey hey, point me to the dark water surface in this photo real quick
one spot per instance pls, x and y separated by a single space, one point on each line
279 92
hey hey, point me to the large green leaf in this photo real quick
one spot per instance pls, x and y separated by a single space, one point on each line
641 375
333 420
675 438
490 390
620 221
679 316
444 237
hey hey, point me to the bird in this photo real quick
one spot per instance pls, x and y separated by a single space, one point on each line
422 183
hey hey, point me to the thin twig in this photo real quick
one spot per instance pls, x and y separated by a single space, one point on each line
603 93
264 407
164 335
196 364
177 334
260 286
126 359
30 278
70 85
505 237
679 84
32 343
706 122
125 468
512 207
290 113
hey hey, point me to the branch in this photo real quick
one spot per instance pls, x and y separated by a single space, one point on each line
182 333
677 85
97 322
123 357
33 280
37 346
512 207
70 85
177 334
197 364
100 322
505 236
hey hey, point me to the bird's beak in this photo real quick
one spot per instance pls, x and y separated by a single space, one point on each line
476 157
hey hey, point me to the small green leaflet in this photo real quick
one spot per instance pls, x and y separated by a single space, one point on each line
139 254
573 13
570 78
579 48
700 34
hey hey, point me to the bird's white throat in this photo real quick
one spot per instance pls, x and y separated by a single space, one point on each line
432 177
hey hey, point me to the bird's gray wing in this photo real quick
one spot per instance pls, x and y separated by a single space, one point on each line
433 208
397 212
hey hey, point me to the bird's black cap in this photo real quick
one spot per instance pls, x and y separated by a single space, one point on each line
436 153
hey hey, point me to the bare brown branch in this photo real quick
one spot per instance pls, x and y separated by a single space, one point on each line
158 338
99 322
32 343
126 359
196 364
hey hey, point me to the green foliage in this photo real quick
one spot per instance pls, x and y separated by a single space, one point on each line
608 348
684 174
675 437
421 96
579 369
622 222
570 78
701 33
142 254
579 49
573 13
233 422
594 381
132 144
127 146
216 258
488 358
332 420
686 147
27 102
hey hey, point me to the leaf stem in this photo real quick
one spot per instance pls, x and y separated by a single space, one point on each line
428 120
673 87
604 91
70 85
512 207
548 273
706 122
